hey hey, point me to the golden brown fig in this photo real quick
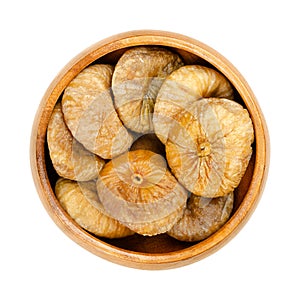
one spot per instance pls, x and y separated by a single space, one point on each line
90 114
69 158
149 142
208 150
80 200
137 78
181 89
202 217
137 189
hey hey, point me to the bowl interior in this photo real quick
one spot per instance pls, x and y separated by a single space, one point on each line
161 243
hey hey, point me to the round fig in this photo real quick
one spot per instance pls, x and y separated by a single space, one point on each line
202 217
80 200
137 189
69 158
137 78
90 114
209 148
181 89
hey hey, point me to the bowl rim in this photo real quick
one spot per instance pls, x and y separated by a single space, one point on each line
127 257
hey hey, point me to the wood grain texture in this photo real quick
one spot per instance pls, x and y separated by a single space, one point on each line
160 252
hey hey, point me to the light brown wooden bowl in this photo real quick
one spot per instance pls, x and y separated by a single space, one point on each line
162 251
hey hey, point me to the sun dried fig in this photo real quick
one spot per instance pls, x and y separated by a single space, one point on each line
90 114
182 88
137 78
149 142
69 158
80 200
202 217
137 189
209 148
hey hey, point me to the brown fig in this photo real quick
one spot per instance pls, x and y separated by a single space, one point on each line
182 88
69 158
202 217
137 78
137 189
80 200
209 148
90 114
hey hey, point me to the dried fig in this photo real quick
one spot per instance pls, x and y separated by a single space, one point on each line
69 158
137 189
149 142
90 114
80 200
137 78
183 87
209 148
202 217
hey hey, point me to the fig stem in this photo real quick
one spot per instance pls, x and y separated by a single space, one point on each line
137 178
204 149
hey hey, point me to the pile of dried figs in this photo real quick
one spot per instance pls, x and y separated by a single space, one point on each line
149 146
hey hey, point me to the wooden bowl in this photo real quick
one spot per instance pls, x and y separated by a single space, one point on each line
162 251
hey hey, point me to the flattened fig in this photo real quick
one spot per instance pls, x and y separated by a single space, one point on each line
137 78
182 88
69 158
80 200
90 114
202 217
209 148
137 189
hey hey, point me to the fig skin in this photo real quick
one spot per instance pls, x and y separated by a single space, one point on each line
90 114
202 217
69 158
209 148
149 142
80 201
137 189
137 78
183 88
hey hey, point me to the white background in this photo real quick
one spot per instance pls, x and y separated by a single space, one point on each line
261 38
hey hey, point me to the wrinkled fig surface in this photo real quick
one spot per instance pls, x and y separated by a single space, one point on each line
137 78
149 142
209 148
192 138
80 200
202 217
181 89
137 189
90 114
69 158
